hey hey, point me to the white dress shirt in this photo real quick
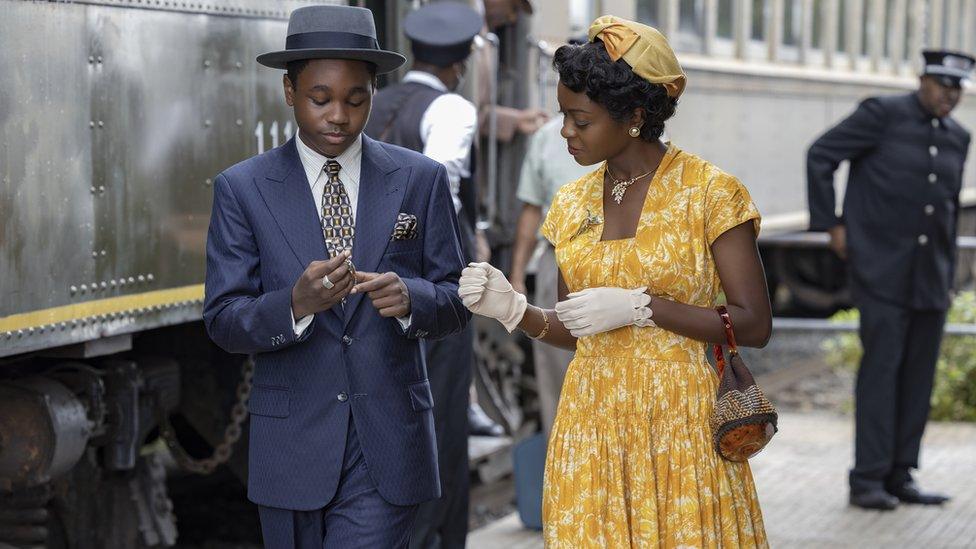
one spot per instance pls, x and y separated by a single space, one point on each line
350 163
447 129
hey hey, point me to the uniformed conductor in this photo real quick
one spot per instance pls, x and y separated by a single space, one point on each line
424 114
898 234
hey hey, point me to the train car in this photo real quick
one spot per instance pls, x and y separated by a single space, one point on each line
115 115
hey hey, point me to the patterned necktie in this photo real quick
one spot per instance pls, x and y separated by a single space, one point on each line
337 224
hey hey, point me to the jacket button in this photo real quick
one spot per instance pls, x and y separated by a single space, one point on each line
929 209
923 240
346 340
933 178
933 150
935 122
342 397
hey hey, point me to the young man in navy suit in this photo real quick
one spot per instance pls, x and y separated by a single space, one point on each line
342 445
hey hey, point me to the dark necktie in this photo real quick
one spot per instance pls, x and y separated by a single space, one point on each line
337 224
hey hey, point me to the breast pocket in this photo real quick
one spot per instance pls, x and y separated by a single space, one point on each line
406 263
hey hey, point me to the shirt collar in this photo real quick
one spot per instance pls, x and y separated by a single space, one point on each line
425 78
350 160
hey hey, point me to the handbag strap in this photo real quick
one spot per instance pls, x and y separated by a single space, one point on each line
723 313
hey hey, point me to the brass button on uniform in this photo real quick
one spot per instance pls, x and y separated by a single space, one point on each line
923 240
933 150
929 209
933 178
342 397
346 340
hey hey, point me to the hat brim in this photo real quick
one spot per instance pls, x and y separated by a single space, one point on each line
385 61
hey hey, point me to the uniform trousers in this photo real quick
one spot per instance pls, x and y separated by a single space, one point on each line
893 389
443 523
357 516
550 362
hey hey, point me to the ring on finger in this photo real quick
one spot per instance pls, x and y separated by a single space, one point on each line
327 283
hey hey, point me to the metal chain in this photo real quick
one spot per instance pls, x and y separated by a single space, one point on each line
232 433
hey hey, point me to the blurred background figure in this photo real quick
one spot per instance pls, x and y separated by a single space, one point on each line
547 167
423 113
898 233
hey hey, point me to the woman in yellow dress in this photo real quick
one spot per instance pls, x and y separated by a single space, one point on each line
645 244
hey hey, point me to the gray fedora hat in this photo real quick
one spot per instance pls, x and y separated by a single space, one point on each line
332 32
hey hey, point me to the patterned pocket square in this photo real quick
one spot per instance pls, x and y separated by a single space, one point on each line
405 228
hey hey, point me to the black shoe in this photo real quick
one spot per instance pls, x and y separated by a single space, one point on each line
910 493
877 499
479 424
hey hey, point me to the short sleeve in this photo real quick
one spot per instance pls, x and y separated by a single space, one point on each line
531 187
728 205
550 227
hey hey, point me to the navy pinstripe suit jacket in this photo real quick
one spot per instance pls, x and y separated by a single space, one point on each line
264 231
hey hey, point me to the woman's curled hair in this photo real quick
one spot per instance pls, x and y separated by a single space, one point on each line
614 85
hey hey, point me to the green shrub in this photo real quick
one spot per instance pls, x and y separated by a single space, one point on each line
954 395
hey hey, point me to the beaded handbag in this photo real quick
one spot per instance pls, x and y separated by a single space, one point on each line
744 420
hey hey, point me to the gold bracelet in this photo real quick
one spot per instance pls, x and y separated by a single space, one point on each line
545 329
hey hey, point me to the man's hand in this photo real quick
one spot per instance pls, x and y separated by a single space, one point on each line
838 241
530 120
309 295
387 292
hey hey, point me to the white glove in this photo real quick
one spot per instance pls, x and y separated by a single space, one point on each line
485 291
596 310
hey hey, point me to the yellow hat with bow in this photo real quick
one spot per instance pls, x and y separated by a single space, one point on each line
643 48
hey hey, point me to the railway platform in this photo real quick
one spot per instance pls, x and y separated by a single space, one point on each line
801 480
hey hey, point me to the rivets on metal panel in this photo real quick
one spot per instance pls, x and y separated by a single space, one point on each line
7 335
102 253
99 59
101 124
122 282
150 277
30 331
74 322
142 278
239 65
132 280
239 122
62 326
73 290
103 285
20 333
84 288
101 189
207 182
91 59
206 63
95 253
91 123
207 123
93 190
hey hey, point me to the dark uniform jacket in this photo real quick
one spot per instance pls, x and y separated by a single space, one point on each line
901 206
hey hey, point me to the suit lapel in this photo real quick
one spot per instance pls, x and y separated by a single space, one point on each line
382 186
289 198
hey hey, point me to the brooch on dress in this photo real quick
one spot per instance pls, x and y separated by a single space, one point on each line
592 220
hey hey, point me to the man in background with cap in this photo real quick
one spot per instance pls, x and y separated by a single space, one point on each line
424 114
898 234
342 446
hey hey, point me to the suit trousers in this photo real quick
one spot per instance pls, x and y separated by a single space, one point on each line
357 516
893 389
443 522
550 362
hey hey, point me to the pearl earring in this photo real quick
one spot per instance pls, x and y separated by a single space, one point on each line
635 131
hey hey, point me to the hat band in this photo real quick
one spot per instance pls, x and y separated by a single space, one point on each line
947 71
330 40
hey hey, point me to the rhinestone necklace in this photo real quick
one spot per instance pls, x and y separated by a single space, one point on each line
620 186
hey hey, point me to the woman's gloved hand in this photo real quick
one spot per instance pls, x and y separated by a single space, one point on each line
596 310
485 291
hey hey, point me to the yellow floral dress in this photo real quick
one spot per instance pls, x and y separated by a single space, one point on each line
630 460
